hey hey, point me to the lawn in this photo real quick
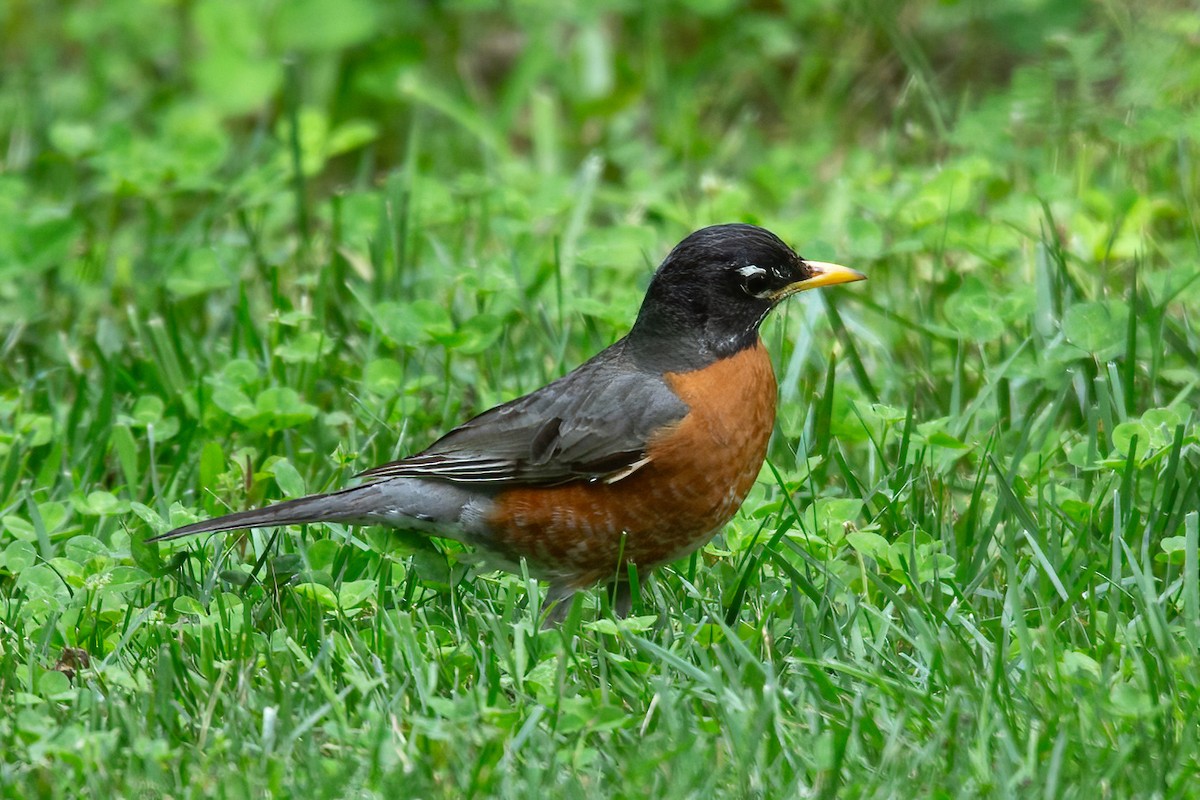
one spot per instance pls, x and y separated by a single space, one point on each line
248 249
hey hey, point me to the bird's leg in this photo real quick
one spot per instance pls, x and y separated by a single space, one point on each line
620 595
555 605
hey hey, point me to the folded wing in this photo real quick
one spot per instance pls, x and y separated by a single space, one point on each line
594 423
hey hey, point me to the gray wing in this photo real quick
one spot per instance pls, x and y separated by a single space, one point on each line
592 424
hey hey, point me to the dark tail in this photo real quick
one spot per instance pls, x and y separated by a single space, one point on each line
348 505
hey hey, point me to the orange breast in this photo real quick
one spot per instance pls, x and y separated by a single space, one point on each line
699 473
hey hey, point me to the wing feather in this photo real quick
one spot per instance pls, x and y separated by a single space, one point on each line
594 423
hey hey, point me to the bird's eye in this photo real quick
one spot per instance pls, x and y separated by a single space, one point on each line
755 281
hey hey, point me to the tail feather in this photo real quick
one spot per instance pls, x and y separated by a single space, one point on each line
348 505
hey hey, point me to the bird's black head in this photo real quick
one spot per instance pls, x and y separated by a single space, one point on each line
713 291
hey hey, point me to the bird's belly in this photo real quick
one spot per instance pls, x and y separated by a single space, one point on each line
700 471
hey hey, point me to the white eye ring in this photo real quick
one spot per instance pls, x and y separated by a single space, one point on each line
753 271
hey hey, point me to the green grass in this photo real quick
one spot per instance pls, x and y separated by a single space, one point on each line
248 249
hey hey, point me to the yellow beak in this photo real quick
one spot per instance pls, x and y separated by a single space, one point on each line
823 274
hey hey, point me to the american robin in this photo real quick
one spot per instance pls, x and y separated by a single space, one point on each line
639 456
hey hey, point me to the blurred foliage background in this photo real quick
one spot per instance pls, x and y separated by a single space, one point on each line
249 248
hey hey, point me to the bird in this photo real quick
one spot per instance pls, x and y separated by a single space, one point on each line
636 458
